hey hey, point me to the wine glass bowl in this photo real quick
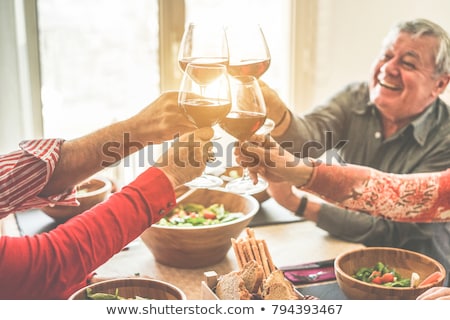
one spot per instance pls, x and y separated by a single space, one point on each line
205 94
248 52
246 117
248 111
205 99
203 44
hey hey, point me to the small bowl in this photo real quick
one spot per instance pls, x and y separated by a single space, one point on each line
232 173
89 193
403 261
200 246
130 288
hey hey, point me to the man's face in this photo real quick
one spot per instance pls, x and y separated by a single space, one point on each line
403 82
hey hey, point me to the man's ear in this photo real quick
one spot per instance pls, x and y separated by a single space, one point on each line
442 83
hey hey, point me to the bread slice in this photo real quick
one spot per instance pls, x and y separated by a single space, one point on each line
231 286
277 287
253 275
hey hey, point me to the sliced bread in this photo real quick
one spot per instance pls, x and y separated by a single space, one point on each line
277 287
231 286
253 275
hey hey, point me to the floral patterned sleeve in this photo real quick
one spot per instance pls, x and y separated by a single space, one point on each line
419 197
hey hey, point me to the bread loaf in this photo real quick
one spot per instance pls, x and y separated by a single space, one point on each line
277 287
231 286
258 277
253 275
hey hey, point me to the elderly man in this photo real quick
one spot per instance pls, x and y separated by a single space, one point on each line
394 123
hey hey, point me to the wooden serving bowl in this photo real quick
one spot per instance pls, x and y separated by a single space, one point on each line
200 246
403 261
130 288
89 193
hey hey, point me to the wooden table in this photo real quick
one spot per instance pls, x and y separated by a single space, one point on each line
289 244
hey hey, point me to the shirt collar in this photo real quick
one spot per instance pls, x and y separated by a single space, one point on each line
421 126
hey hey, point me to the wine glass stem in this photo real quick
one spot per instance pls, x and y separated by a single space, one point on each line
246 174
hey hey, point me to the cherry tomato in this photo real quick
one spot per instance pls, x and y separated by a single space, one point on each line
387 277
377 280
209 215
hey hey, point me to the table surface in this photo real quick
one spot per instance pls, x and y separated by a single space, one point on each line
289 244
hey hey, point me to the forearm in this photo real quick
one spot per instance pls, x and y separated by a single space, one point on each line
418 197
356 226
82 157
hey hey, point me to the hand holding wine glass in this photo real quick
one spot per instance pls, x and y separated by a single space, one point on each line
247 116
205 99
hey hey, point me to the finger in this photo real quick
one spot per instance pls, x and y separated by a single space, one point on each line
430 294
253 176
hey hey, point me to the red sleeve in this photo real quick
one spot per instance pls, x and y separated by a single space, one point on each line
53 265
418 197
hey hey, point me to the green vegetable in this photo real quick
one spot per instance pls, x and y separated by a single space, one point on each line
376 274
108 296
102 296
193 214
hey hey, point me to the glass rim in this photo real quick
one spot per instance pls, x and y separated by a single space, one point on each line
206 66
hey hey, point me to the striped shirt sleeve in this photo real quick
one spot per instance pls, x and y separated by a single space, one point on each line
25 172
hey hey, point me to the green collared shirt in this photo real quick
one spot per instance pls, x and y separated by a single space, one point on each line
347 128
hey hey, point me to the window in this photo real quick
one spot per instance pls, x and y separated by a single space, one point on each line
101 61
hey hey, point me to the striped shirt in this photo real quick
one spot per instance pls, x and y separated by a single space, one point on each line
24 173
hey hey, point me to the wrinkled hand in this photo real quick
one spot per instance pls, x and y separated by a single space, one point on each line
186 158
282 193
436 293
161 120
274 105
268 159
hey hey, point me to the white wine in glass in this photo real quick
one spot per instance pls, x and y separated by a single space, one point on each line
247 116
203 44
249 53
205 100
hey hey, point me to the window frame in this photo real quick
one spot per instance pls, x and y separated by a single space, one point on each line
23 80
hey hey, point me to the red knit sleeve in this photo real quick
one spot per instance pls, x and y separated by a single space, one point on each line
53 265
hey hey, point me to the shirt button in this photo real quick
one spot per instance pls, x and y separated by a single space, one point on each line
377 135
170 204
161 212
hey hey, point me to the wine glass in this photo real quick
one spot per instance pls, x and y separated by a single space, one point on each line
205 99
203 44
246 117
248 52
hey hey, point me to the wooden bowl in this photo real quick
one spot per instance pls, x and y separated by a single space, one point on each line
200 246
130 288
89 193
403 261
